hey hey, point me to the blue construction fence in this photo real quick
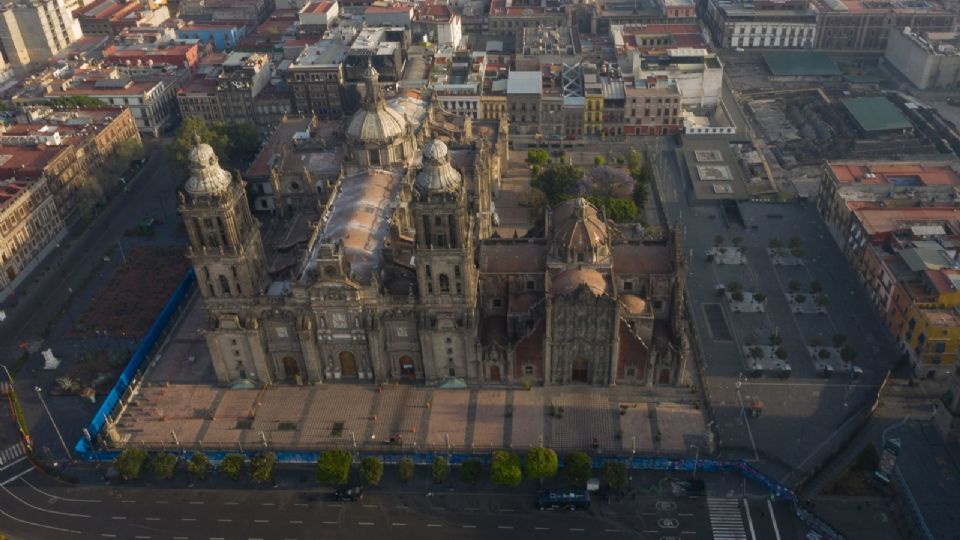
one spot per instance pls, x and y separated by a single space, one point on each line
84 447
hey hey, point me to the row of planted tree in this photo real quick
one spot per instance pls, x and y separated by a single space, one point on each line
335 466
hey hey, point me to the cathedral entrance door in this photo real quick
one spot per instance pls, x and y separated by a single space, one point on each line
580 370
495 373
664 376
407 371
348 364
290 367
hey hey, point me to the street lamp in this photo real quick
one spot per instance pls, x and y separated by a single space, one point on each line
54 424
696 460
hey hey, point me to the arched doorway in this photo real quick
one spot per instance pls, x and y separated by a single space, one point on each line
407 369
495 373
348 364
290 367
580 372
664 376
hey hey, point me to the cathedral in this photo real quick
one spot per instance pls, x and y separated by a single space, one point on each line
404 277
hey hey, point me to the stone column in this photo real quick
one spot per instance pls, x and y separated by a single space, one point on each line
258 354
311 355
379 362
220 368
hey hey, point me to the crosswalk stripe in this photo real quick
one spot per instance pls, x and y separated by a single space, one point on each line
11 453
726 520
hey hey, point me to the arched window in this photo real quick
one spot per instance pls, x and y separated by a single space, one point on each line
224 285
444 283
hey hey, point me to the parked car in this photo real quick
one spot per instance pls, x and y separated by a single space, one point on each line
573 499
354 493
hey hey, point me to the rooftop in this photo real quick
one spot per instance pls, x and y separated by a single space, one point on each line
876 113
896 173
877 6
524 82
323 53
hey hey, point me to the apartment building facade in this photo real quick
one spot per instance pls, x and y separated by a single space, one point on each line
31 31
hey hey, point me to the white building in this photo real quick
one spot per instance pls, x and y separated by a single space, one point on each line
439 24
698 75
928 61
765 24
31 31
316 17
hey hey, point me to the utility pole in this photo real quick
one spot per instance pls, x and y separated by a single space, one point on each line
53 423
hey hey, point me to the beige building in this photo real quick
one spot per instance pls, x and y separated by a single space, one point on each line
316 79
30 226
31 31
402 277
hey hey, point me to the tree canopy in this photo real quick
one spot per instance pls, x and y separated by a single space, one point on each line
540 463
538 157
130 462
371 469
608 182
440 470
232 465
405 470
333 466
619 210
74 102
471 470
615 475
261 467
236 145
577 467
558 181
505 468
198 466
163 465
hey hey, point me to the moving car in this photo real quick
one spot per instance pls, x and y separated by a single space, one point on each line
354 493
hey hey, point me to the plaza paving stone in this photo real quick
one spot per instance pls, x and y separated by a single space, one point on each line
399 412
448 418
635 424
488 425
587 419
679 425
333 404
528 418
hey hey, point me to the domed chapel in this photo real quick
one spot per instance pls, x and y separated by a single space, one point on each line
405 278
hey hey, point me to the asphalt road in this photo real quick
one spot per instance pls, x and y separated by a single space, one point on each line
35 506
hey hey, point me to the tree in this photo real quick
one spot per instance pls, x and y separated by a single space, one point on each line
615 475
198 466
634 159
736 296
797 252
405 470
371 469
640 193
505 468
232 465
793 285
816 287
77 102
163 465
734 286
848 354
775 339
608 182
759 297
780 353
817 340
839 340
794 242
619 210
557 181
122 156
538 157
775 243
130 463
471 470
822 300
183 142
823 354
737 241
540 463
799 298
261 467
440 470
577 467
333 466
718 240
243 142
756 352
599 161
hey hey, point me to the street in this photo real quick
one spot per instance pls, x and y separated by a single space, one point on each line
35 506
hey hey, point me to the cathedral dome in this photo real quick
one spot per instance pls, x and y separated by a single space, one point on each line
570 280
206 174
437 174
580 232
375 122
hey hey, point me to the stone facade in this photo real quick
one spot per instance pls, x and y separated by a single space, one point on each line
404 277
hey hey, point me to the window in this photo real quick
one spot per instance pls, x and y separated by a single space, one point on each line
528 369
628 285
427 270
456 271
657 304
452 372
224 285
497 303
444 283
530 285
631 372
940 347
449 351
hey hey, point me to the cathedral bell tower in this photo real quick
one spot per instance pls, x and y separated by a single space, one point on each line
446 270
225 245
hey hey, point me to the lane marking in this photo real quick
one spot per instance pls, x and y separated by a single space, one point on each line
51 495
153 519
367 506
301 504
268 504
746 508
39 524
541 528
160 502
188 519
261 521
329 522
12 478
12 463
108 535
434 525
196 502
118 518
611 530
365 523
231 503
225 520
128 502
295 522
773 518
576 530
399 524
181 538
142 537
506 527
469 526
43 509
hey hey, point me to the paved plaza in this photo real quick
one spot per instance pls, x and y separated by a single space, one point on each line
179 403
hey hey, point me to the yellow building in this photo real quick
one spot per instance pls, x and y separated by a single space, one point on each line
932 337
593 114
